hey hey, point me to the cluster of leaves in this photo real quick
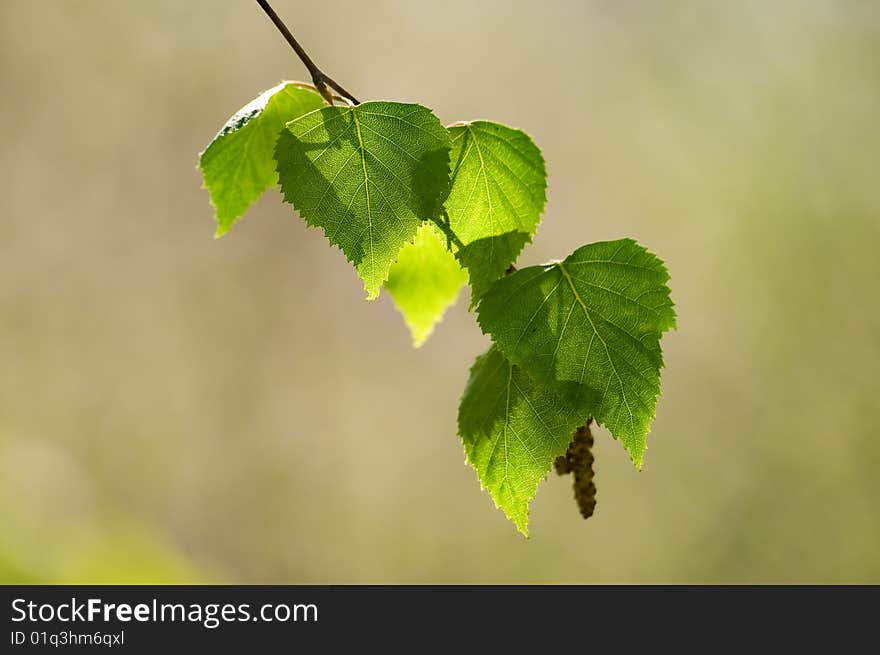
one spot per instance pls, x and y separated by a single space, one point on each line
421 210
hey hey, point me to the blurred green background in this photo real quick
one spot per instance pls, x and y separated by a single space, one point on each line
179 409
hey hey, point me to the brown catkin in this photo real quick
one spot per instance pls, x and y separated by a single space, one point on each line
579 460
563 464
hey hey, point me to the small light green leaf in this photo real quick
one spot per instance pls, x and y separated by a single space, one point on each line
424 281
368 175
590 326
512 429
497 195
239 164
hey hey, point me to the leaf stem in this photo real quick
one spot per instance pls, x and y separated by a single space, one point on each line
323 82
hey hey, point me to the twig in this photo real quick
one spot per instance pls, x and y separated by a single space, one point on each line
321 80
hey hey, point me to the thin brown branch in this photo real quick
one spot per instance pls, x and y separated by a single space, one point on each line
323 82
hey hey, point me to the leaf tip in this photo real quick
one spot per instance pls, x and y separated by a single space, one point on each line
638 459
520 518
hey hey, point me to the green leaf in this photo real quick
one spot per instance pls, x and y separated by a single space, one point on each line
424 281
368 175
590 326
487 259
239 164
497 195
498 188
512 429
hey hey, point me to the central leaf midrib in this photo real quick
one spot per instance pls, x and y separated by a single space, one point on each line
357 125
583 305
507 421
485 177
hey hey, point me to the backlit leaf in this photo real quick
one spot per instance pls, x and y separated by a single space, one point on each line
239 163
424 281
368 175
512 430
590 327
497 195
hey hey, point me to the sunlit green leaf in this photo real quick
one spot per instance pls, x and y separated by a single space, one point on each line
590 327
497 195
368 175
512 429
495 201
424 281
239 163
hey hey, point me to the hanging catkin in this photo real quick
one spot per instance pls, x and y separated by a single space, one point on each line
579 460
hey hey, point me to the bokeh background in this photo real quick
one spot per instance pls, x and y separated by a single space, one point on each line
175 408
